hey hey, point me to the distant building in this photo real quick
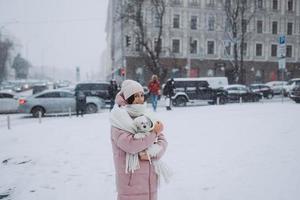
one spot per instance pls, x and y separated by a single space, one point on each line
194 44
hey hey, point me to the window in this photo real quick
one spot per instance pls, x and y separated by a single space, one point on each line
289 51
176 2
5 95
290 5
128 41
194 22
49 95
275 28
274 50
258 49
211 23
227 4
66 95
193 47
194 2
275 5
245 49
259 4
227 49
227 25
290 28
210 47
175 46
244 26
176 21
156 20
211 2
259 26
157 44
138 46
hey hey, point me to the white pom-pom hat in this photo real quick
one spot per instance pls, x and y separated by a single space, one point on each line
130 87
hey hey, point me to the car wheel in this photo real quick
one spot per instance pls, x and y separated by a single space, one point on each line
91 108
180 101
36 110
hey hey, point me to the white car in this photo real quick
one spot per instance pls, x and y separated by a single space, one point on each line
277 86
290 85
56 101
8 102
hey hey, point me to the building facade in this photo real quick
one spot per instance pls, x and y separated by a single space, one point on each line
194 42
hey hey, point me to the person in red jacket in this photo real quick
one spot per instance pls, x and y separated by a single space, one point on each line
154 90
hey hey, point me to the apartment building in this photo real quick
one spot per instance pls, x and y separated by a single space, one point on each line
194 41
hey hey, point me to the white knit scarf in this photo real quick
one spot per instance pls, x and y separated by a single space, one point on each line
122 118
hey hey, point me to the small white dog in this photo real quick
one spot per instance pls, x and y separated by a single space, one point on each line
144 126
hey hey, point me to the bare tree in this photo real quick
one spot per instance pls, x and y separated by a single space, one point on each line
239 14
21 67
5 47
132 15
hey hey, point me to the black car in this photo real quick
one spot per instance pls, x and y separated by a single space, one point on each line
263 90
98 89
295 94
241 92
196 90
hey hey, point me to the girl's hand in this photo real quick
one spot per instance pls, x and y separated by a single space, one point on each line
143 155
158 127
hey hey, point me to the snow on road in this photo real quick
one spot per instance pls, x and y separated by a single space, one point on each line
231 152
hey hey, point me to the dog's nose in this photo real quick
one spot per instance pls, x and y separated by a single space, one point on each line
144 126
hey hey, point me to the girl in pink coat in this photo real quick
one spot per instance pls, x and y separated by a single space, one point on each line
136 178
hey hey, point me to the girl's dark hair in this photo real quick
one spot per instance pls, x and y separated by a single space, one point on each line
130 99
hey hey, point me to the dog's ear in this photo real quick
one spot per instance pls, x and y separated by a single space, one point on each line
149 123
136 122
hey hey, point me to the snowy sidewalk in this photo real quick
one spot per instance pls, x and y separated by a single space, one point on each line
230 152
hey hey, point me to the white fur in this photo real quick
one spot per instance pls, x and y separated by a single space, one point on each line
143 126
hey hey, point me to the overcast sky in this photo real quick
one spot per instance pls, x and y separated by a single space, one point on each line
58 33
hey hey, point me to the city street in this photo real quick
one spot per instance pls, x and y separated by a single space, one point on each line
235 151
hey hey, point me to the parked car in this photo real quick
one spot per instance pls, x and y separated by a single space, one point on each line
56 101
295 94
98 89
61 84
237 91
277 86
8 102
262 89
290 85
195 90
39 88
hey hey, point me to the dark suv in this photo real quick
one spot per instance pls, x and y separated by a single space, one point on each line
98 89
193 90
295 94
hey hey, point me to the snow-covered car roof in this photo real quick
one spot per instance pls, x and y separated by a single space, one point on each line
52 90
235 85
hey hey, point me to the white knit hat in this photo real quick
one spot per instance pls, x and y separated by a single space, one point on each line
130 87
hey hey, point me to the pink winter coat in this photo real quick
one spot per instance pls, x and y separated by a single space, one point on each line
142 184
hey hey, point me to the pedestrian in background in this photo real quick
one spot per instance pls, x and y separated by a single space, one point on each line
112 91
154 90
80 103
169 92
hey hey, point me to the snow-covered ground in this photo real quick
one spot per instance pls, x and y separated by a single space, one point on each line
230 152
